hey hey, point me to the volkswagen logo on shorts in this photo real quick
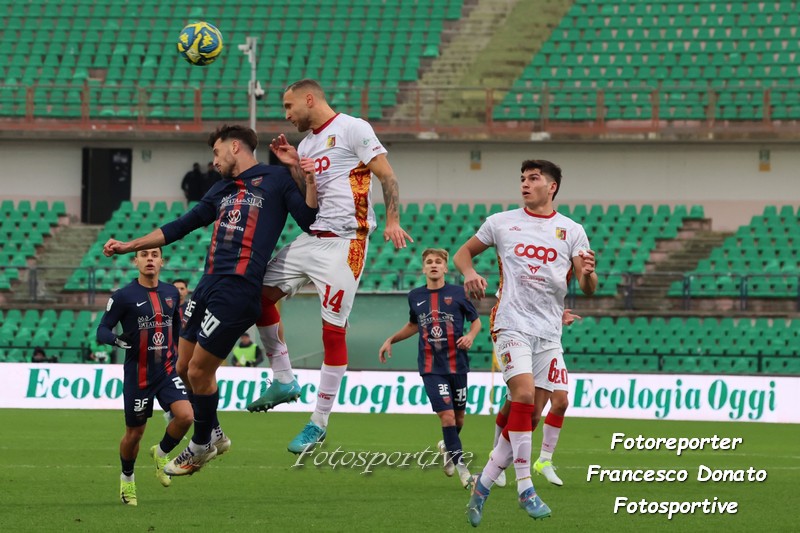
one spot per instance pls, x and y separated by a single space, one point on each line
158 338
234 216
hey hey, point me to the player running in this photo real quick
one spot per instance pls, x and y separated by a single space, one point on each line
147 309
537 248
249 209
438 312
346 153
559 402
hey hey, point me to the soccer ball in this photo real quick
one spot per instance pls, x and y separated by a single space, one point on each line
200 43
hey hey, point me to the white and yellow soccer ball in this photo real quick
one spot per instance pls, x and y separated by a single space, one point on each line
200 43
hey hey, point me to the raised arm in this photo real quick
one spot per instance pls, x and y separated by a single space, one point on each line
287 154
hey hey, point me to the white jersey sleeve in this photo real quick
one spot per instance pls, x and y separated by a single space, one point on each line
364 142
485 233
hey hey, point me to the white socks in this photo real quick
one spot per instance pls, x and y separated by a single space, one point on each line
277 352
521 444
330 379
501 457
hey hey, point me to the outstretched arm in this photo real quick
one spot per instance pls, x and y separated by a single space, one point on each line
402 334
379 165
154 239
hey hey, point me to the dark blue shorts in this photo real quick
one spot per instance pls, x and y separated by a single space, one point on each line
139 402
220 310
447 392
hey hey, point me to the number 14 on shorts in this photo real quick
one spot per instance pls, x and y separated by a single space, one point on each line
334 303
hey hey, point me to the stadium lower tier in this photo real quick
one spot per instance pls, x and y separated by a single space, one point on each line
605 344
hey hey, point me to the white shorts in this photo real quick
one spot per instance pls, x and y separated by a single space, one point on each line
518 353
334 265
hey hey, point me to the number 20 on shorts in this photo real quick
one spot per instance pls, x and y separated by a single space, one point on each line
557 375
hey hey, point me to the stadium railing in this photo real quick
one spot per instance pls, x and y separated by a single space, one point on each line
536 108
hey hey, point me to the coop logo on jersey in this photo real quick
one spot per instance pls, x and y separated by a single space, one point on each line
436 332
545 255
561 234
331 142
322 164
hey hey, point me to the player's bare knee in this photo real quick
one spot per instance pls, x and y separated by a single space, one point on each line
134 434
535 418
522 396
184 419
559 403
447 417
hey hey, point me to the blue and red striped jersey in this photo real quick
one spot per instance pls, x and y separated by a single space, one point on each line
440 315
249 213
150 320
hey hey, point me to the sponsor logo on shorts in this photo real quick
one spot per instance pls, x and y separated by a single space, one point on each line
505 358
510 344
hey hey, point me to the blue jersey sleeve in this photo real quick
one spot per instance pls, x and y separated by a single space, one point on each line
115 309
412 315
202 214
470 313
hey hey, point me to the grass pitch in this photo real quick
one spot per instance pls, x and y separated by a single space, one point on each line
59 471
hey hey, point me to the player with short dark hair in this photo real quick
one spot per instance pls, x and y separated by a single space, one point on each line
438 312
183 292
249 209
537 250
147 310
346 153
